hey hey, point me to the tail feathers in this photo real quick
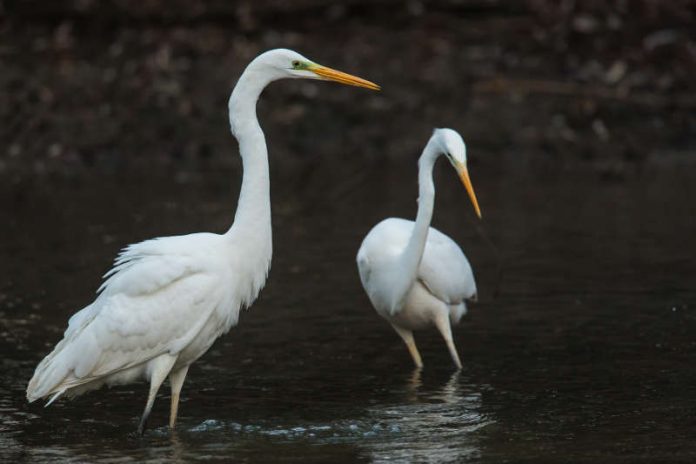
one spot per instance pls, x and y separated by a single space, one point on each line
54 397
53 375
45 382
59 374
56 381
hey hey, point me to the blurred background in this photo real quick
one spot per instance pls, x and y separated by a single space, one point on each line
580 123
91 86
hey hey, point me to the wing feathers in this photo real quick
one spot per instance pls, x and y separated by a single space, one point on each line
152 302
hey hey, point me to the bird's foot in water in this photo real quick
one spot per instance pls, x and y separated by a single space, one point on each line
142 426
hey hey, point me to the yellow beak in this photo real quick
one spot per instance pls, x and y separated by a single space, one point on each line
464 176
341 77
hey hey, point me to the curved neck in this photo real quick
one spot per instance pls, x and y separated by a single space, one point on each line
410 259
253 215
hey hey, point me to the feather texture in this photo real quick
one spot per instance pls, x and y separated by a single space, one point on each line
443 269
162 296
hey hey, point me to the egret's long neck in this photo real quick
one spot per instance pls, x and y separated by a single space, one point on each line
253 216
410 259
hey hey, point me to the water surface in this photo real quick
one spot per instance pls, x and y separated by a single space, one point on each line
581 348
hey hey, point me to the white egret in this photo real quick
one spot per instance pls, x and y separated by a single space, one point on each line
415 275
166 300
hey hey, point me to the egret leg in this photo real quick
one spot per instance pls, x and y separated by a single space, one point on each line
176 379
407 336
442 322
159 371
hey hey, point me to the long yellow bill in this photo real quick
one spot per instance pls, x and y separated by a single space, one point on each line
341 77
464 176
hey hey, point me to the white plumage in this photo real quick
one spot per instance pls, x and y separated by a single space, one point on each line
167 300
171 296
443 269
414 275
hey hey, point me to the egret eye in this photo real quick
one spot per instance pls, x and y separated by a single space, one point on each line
296 64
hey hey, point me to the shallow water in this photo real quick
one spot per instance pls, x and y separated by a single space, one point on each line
581 348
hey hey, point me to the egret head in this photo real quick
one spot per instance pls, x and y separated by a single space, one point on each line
451 144
283 63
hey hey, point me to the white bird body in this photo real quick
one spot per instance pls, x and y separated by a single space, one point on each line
167 300
414 275
444 274
170 296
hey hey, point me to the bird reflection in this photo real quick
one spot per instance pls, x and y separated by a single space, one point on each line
414 384
447 393
433 425
176 448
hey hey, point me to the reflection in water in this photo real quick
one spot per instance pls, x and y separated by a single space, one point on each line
176 447
415 382
158 447
434 426
564 359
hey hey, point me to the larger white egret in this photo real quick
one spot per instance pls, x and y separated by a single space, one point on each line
415 275
166 300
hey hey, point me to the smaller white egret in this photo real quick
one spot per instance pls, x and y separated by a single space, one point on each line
415 275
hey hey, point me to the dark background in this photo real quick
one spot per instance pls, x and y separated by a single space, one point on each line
580 123
121 86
